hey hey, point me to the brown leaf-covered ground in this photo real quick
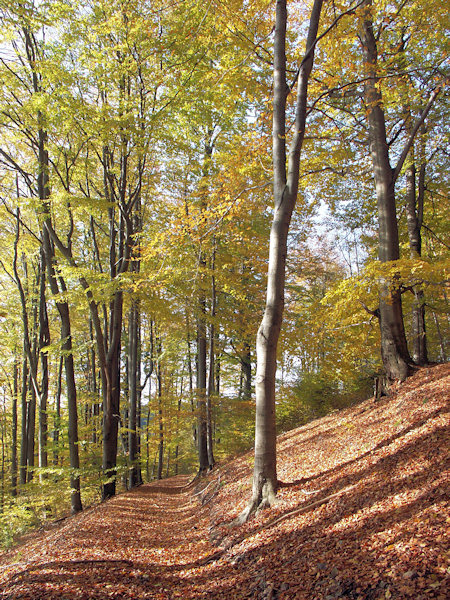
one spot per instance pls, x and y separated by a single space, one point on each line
363 514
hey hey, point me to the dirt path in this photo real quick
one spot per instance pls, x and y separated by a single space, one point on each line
364 516
142 544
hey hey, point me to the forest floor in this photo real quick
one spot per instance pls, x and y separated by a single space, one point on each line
363 513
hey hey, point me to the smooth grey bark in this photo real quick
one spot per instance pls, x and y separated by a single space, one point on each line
285 188
394 350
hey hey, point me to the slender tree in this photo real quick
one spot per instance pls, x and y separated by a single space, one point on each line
285 188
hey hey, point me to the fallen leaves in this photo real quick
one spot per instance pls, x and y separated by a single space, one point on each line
365 517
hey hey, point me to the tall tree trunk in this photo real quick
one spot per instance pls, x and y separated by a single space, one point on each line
394 350
66 334
285 188
67 349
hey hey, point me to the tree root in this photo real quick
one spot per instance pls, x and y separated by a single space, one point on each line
248 511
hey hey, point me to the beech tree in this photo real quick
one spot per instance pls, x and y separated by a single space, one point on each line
285 187
394 349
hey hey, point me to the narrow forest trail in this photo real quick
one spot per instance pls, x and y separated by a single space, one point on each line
364 515
140 544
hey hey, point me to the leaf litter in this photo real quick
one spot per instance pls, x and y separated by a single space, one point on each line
362 514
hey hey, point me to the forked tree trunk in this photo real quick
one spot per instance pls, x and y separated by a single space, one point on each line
394 351
285 194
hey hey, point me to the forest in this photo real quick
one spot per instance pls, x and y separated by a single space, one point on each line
219 221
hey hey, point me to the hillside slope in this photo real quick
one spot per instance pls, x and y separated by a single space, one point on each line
363 514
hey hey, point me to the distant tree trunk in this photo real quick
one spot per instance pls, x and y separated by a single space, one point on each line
202 435
31 428
160 410
23 429
285 188
57 419
191 375
246 373
2 442
44 340
441 338
14 429
414 215
135 477
211 376
27 371
394 350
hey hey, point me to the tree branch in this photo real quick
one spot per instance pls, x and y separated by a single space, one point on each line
416 127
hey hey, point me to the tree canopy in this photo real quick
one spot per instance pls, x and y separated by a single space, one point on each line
145 150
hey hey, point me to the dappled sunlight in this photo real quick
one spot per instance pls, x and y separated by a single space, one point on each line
362 514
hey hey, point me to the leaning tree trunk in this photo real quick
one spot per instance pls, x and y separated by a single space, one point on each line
394 350
285 190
